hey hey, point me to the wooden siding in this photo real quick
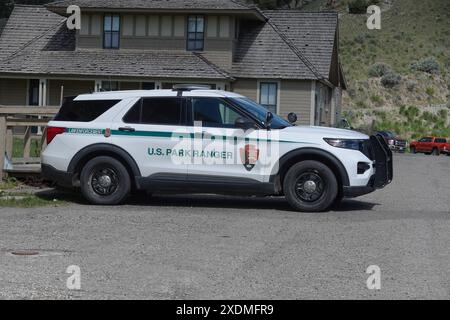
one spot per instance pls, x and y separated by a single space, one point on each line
89 42
295 96
71 88
159 32
13 92
246 87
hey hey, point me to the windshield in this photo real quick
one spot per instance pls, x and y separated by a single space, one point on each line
260 113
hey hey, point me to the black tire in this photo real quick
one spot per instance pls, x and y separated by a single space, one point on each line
436 152
95 177
413 150
324 184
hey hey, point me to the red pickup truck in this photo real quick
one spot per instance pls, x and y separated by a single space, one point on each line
431 145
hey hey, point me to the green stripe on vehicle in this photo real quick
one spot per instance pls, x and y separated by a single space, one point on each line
162 134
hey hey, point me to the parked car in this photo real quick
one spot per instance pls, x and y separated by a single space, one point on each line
446 149
394 142
430 145
111 143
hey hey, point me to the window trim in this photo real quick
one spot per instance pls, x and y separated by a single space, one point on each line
112 15
268 81
196 16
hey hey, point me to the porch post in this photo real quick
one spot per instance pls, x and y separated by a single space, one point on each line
312 119
2 146
98 85
42 98
333 107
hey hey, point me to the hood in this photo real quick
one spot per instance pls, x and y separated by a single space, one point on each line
325 132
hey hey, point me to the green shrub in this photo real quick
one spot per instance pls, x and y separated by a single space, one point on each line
430 91
357 6
376 99
379 69
390 80
428 65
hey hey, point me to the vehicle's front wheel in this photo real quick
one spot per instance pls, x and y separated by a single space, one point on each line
105 181
310 186
436 152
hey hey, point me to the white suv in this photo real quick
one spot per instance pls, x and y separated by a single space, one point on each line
195 140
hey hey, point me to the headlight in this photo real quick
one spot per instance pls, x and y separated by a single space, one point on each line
345 143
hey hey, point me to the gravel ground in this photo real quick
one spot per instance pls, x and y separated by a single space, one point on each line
211 247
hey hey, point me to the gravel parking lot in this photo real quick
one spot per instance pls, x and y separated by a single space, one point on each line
211 247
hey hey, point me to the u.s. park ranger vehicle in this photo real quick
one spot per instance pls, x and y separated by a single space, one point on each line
195 140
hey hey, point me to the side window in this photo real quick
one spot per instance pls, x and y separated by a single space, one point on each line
83 111
268 96
213 112
156 111
196 33
111 31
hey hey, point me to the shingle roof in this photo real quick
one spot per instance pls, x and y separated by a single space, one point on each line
31 44
154 4
158 64
293 44
313 33
25 25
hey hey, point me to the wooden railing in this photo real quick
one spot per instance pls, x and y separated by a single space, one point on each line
12 117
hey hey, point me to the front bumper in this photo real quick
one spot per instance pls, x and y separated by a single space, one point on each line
379 152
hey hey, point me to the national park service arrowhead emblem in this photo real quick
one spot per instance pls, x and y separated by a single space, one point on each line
249 156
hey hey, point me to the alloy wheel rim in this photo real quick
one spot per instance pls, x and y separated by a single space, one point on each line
309 186
105 181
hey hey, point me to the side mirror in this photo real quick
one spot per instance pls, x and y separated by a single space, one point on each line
269 118
244 124
292 118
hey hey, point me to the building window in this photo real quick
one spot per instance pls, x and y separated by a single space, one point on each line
111 33
110 86
268 95
196 33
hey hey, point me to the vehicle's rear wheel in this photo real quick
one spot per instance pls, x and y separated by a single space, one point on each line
310 186
436 152
413 150
105 181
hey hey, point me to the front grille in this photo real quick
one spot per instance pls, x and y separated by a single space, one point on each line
400 143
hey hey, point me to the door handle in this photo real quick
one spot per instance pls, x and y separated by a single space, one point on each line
127 129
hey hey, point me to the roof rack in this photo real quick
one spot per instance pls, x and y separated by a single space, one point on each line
190 87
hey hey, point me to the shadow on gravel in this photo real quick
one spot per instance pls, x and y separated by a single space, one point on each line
203 201
354 205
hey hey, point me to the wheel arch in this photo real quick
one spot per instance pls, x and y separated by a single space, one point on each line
103 149
322 156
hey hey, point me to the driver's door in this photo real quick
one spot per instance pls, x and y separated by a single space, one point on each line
222 149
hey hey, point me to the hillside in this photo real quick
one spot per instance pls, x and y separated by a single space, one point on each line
412 30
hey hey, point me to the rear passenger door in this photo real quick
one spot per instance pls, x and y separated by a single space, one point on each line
151 132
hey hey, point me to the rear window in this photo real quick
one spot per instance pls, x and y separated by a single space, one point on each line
83 111
156 111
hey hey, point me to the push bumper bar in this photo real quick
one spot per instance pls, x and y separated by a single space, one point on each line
379 152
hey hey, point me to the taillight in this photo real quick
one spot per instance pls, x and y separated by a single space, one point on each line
52 132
